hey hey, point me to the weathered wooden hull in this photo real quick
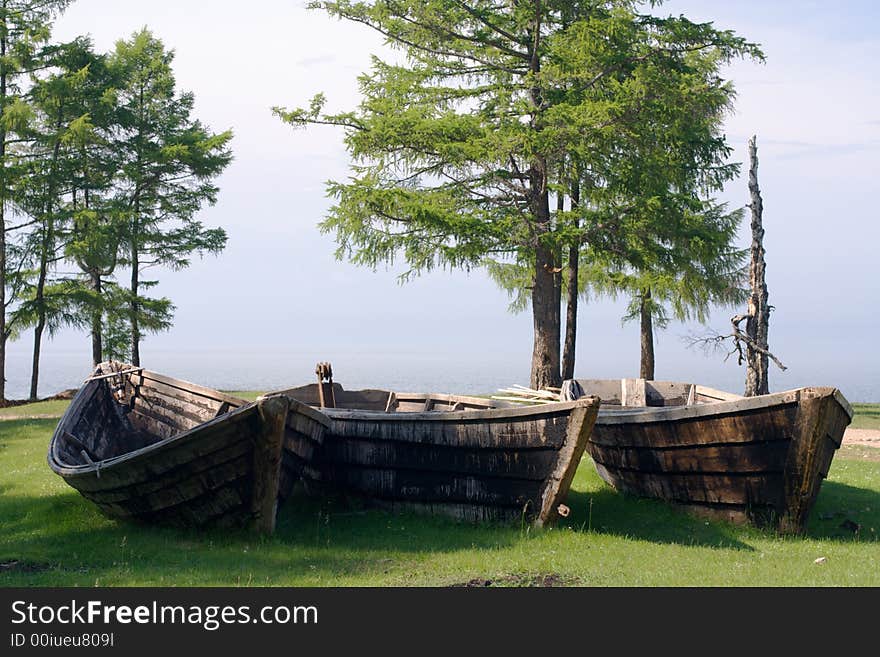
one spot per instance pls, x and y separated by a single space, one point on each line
759 460
147 447
480 464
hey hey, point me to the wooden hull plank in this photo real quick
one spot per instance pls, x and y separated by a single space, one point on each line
481 461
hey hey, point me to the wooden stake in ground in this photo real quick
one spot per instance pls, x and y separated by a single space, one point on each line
758 319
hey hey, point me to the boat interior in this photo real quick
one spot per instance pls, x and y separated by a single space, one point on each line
616 394
626 394
329 396
121 409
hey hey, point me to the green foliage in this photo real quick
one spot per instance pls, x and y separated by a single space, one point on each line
153 316
59 305
168 162
23 44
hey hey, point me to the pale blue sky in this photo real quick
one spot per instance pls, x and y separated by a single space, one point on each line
277 301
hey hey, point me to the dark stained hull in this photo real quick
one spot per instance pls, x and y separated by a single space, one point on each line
759 460
151 448
466 457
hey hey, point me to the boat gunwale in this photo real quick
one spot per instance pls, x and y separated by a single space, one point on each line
242 406
709 410
182 384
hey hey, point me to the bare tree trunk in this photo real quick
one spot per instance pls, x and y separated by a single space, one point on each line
571 305
758 320
646 368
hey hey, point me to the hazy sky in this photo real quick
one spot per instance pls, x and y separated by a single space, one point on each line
278 295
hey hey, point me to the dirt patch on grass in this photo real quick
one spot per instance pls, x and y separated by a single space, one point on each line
866 437
542 580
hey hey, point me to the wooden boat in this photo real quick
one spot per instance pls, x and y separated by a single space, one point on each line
747 459
148 447
472 458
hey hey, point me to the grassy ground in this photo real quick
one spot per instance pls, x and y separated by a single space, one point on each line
47 409
52 536
867 416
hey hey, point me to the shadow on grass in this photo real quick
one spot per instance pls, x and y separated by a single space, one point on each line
845 513
63 539
354 524
841 513
606 511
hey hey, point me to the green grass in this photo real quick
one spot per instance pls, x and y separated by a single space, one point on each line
50 535
250 395
867 416
51 408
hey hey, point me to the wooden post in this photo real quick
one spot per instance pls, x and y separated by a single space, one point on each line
326 396
632 392
267 461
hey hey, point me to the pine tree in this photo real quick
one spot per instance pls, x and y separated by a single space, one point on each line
94 217
169 163
457 150
667 165
47 303
24 31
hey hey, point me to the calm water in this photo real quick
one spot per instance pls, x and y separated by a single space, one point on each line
437 372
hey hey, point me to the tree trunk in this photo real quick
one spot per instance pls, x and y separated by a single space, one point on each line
2 295
133 307
3 185
35 363
571 306
545 307
97 346
135 251
41 310
758 320
646 369
46 245
545 293
39 298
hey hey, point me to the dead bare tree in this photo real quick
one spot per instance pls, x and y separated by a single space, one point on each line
758 317
751 345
